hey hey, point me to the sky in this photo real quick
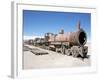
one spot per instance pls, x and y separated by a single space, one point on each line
37 23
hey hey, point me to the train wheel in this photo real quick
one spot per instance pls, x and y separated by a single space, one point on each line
75 51
63 49
67 52
85 51
81 51
57 50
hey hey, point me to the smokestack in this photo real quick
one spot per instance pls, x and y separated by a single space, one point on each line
78 25
61 31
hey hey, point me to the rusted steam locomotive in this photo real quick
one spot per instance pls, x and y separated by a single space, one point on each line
71 43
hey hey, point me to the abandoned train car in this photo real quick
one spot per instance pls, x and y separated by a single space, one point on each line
71 43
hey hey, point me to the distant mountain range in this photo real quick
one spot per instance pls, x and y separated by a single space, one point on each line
31 37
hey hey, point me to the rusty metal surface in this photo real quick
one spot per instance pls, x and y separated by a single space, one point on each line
74 38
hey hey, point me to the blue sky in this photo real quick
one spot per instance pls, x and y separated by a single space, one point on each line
37 23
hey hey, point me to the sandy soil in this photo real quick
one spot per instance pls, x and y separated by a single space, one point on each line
51 60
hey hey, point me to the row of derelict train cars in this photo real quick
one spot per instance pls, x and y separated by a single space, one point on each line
71 43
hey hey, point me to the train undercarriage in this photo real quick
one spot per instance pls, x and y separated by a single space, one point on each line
67 49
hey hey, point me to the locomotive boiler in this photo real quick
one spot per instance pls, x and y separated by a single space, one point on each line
71 43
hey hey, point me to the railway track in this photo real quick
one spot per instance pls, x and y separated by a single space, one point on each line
34 50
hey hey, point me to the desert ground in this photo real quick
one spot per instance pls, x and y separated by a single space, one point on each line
52 60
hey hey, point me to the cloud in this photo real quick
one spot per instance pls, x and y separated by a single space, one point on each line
32 37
